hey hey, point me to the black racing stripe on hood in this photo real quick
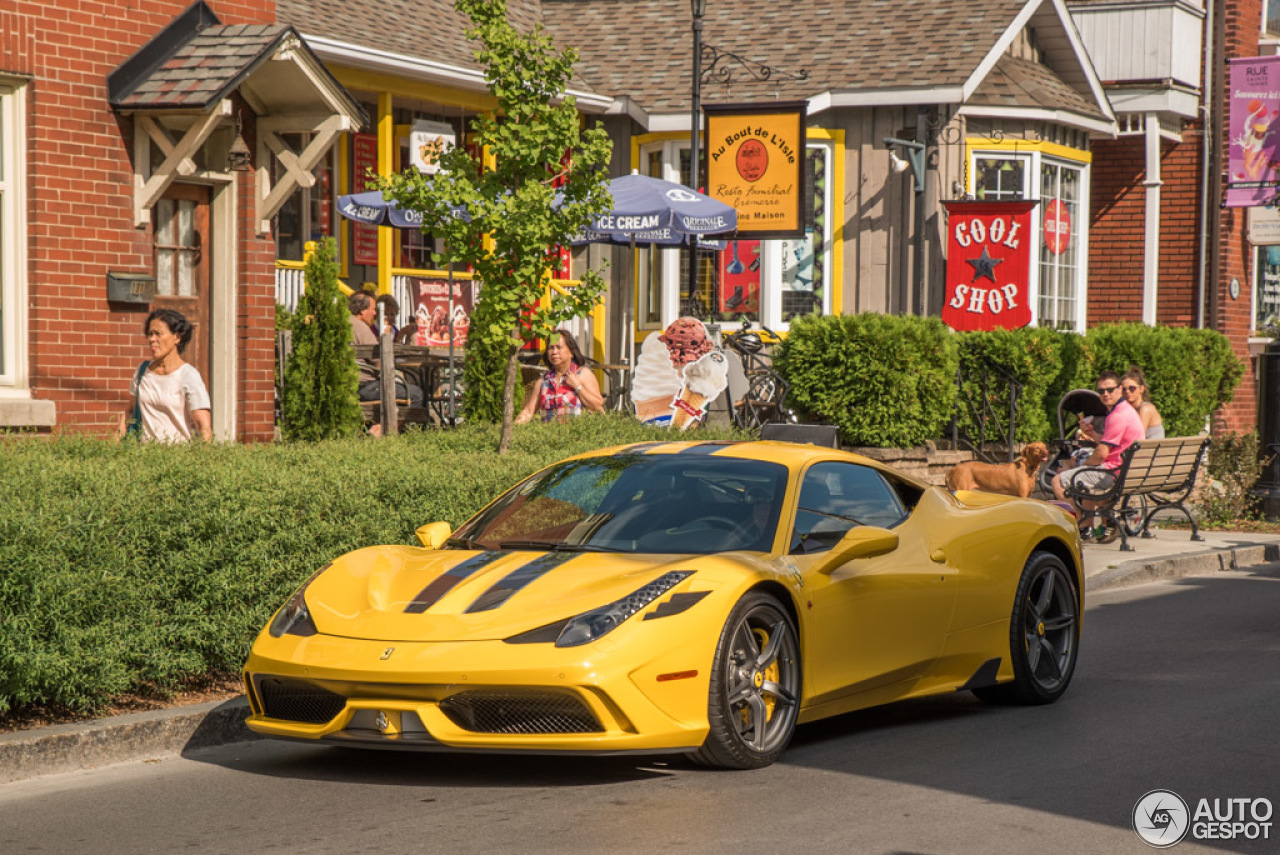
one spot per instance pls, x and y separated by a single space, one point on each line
440 586
517 579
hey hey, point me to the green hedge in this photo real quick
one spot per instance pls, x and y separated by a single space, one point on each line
124 567
890 381
883 380
1042 360
1190 373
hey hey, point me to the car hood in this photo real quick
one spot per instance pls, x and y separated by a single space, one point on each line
396 593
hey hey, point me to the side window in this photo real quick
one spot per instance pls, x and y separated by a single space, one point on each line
835 497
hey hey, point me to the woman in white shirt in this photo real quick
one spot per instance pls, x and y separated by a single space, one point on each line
169 397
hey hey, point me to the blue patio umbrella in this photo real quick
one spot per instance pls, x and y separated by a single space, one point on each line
653 212
371 209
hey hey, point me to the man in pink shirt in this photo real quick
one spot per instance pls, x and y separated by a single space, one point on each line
1122 428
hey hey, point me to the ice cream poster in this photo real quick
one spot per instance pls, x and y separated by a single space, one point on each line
678 374
435 313
740 277
1254 131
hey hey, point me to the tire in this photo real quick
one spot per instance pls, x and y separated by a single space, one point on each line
1044 635
755 687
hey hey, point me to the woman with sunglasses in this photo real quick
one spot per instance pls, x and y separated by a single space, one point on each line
1134 386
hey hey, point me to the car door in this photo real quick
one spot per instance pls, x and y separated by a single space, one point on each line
878 620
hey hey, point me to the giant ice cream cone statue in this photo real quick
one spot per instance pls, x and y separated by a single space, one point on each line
660 368
703 381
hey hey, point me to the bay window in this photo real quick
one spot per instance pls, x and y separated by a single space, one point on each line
1058 178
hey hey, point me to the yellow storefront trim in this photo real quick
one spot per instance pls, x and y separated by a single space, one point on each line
1050 148
372 81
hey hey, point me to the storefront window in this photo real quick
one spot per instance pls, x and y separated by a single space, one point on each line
308 214
1059 211
1266 309
765 282
1059 224
1000 179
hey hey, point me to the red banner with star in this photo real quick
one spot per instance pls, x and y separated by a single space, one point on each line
989 256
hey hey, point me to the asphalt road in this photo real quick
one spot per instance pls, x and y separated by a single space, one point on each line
1178 688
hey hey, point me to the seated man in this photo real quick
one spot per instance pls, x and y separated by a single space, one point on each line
363 310
1096 473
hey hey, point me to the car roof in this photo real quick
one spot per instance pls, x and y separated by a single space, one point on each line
793 455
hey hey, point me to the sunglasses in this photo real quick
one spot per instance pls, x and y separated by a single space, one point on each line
1107 390
1129 388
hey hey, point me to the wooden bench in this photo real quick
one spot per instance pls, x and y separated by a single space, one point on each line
1162 471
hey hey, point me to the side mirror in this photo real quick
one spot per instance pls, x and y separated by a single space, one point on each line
864 541
433 535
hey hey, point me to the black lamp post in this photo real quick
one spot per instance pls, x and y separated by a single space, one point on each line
699 8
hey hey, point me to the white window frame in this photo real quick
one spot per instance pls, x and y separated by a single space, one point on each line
770 250
1033 159
1269 34
13 230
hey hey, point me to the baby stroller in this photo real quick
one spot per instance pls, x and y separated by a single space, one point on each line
1082 404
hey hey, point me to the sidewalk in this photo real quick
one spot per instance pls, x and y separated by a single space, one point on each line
85 745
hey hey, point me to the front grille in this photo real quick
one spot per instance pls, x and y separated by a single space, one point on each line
519 712
295 700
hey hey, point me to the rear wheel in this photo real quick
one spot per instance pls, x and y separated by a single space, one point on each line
1044 634
755 687
1133 510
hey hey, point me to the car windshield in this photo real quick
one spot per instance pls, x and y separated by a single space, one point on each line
631 502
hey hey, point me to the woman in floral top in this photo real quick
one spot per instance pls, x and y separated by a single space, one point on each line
567 388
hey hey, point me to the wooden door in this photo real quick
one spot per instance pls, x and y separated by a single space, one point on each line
182 246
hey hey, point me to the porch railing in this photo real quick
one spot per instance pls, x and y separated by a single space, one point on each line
983 418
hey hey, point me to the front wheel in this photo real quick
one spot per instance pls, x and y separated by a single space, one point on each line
755 687
1044 634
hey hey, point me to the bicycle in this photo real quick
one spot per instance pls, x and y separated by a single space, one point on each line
618 398
766 391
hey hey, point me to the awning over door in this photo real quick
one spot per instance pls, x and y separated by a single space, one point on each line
199 85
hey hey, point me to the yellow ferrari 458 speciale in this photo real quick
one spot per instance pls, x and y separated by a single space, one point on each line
676 597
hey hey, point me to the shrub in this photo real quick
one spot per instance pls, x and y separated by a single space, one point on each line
124 567
1234 467
883 380
1034 356
1190 373
320 398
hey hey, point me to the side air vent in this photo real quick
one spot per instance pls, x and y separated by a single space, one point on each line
296 700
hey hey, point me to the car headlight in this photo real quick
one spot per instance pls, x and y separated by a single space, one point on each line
294 618
589 626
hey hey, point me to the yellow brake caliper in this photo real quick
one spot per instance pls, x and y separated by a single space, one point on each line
770 674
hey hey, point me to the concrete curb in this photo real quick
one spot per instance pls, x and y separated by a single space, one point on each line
86 745
1140 571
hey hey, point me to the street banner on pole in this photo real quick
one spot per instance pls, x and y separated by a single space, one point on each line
1253 160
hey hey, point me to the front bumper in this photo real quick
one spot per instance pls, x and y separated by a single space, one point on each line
478 696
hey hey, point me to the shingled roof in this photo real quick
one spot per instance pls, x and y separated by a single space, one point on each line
1016 82
204 69
428 29
642 50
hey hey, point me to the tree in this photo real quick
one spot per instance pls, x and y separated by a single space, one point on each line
320 381
531 150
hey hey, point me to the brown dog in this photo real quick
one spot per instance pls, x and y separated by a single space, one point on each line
1012 479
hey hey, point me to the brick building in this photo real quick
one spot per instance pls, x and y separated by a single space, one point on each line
118 195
